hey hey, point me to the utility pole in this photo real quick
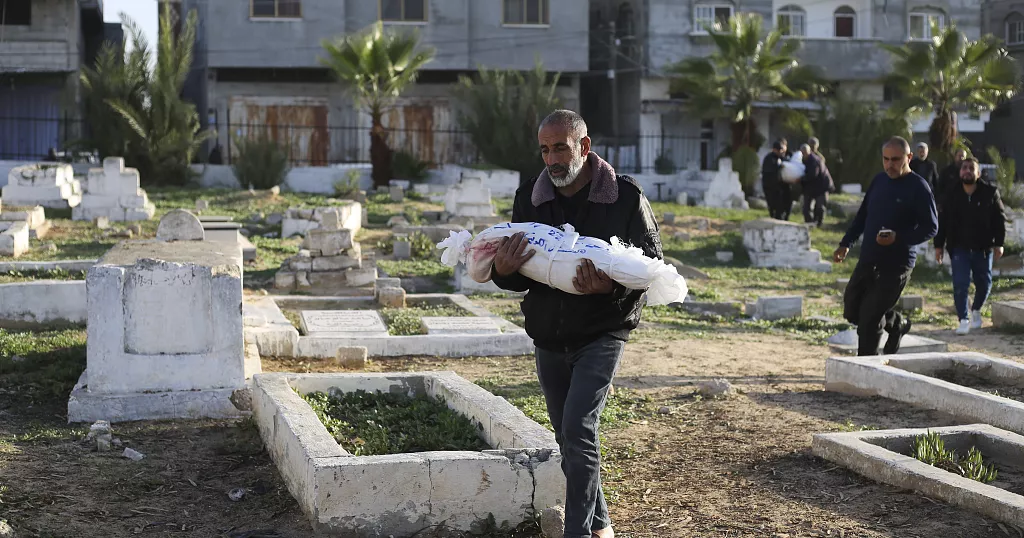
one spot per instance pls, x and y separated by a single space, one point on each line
613 53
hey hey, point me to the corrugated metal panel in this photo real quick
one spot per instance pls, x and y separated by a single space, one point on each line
29 121
299 124
427 128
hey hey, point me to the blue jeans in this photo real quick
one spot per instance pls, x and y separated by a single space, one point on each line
967 263
575 386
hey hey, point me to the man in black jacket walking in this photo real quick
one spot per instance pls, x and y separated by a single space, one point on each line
949 177
579 339
777 193
972 226
816 184
924 167
897 214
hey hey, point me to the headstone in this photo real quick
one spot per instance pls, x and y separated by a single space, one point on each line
909 303
724 256
352 357
773 308
669 218
391 297
342 323
397 194
421 188
776 243
101 222
682 199
402 248
460 325
202 205
180 225
381 283
165 334
298 221
328 242
469 198
725 190
50 185
113 191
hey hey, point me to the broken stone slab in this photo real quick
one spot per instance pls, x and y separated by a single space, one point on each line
322 242
724 256
728 309
883 456
460 325
909 303
1008 314
180 225
352 357
391 297
846 342
14 240
776 243
381 283
775 308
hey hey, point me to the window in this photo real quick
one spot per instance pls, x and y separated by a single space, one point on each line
845 22
921 24
403 10
276 9
711 16
792 21
526 12
1015 29
15 13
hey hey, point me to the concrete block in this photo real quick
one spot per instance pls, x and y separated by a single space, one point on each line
385 283
774 308
352 357
911 379
284 280
42 303
882 455
776 243
1008 314
14 240
357 278
327 242
724 256
910 303
334 263
391 297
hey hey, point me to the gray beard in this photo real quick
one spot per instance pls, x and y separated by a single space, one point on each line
574 172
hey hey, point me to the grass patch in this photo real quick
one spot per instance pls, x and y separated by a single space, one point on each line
367 424
42 366
407 321
930 448
49 274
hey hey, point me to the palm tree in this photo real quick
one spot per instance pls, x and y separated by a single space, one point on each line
378 66
746 66
951 73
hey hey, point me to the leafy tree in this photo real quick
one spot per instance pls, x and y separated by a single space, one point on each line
951 73
378 66
145 119
502 110
1006 173
747 65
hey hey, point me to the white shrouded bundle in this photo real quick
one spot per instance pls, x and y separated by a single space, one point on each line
559 253
793 169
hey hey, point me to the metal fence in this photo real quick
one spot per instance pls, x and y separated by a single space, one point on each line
28 139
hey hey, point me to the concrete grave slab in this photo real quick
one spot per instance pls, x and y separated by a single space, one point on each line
1008 314
400 494
460 325
909 378
881 456
165 334
343 323
846 342
14 240
180 225
45 184
113 191
42 303
775 308
776 243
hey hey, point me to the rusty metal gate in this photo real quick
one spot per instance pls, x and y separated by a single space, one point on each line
299 124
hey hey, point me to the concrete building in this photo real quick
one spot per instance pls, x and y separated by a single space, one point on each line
1005 19
841 37
257 63
43 44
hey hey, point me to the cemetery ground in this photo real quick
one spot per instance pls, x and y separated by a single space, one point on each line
675 463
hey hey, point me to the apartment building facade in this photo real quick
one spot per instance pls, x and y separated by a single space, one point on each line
258 63
841 37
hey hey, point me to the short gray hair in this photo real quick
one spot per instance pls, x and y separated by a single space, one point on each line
922 145
898 142
567 119
804 148
813 141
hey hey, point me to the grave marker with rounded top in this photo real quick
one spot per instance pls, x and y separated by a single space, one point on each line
180 225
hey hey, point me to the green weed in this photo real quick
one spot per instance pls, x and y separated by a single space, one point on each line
930 448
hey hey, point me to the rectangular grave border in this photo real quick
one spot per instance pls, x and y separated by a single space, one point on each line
903 378
400 494
862 453
275 336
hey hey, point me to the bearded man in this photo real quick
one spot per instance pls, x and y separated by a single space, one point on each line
579 339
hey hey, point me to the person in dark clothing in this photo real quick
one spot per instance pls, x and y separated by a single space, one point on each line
949 177
816 184
924 167
579 339
777 193
897 214
972 226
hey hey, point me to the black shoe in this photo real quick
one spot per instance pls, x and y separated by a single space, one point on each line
892 345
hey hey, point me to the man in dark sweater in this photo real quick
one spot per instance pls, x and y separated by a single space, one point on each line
776 192
579 339
897 214
924 167
972 226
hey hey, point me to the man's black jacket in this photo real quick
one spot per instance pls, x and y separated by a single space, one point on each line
817 179
771 178
926 169
975 222
616 207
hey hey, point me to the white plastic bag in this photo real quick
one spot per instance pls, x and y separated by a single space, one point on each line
793 169
558 255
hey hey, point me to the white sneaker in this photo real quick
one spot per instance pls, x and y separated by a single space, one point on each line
965 327
976 319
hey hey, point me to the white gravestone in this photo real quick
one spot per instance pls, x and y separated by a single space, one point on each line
47 185
460 325
343 323
113 191
180 225
165 334
469 198
725 190
776 243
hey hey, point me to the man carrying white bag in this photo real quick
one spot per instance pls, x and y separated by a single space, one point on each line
581 321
